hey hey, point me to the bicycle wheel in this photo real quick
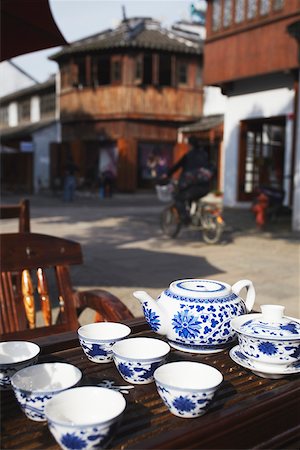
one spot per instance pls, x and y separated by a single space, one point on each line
212 228
170 222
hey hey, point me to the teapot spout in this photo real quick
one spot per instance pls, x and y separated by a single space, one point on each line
152 312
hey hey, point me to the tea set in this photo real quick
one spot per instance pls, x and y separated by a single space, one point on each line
196 316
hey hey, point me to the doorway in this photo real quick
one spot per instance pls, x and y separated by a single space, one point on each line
262 156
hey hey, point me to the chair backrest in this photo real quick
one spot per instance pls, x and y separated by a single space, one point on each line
20 211
37 257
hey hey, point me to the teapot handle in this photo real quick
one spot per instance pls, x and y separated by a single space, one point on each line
250 298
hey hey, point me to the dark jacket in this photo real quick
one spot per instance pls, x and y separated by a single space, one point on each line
195 159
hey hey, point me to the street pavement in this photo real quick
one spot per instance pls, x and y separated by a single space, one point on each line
124 249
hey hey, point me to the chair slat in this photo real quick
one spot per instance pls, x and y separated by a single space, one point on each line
66 291
43 291
8 310
28 298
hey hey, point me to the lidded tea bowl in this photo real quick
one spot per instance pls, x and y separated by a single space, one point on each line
270 339
195 314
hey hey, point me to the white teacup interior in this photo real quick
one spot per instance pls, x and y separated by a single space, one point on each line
17 351
85 406
141 348
47 377
188 375
104 331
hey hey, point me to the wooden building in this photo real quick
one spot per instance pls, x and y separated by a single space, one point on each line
249 53
123 94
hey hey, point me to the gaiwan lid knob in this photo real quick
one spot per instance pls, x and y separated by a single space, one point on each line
272 313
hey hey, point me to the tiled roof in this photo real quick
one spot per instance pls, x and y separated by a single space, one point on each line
136 33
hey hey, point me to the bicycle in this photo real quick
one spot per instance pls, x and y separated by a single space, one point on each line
205 214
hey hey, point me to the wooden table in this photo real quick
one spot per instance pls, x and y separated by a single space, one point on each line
247 411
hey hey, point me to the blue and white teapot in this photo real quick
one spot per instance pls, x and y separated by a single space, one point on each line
195 314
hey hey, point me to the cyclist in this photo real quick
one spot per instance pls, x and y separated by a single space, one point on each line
194 180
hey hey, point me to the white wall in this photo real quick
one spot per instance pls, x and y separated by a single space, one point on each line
12 79
275 102
214 101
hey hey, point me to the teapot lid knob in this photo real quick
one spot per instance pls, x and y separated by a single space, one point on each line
202 287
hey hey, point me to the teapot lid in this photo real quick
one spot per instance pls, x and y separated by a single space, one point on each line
271 324
198 288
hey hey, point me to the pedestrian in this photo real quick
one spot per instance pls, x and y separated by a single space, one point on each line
108 182
70 180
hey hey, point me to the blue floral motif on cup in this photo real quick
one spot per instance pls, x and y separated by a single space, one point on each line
267 348
95 350
138 372
125 370
183 404
145 374
73 442
296 352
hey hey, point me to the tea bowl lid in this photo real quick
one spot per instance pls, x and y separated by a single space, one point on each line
198 288
271 324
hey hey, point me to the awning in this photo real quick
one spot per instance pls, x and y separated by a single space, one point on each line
205 123
23 131
27 26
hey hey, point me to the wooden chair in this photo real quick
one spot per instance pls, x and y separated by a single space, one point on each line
20 211
37 257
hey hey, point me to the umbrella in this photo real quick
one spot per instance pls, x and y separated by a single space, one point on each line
27 26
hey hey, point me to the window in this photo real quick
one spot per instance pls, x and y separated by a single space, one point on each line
227 14
4 115
182 73
138 74
143 69
277 4
81 72
264 7
165 70
47 105
251 9
24 111
198 76
239 11
216 15
261 155
148 68
116 71
101 70
65 76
